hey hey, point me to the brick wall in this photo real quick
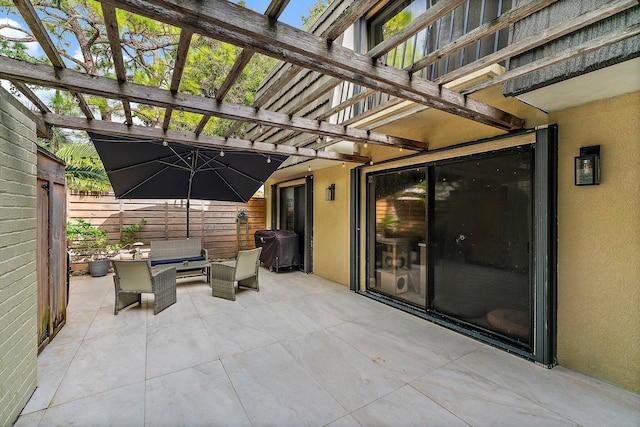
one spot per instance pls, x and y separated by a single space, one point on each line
18 285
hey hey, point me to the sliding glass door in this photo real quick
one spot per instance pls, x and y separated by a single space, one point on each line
453 238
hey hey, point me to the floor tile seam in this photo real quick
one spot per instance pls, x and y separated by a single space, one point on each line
497 385
505 384
313 377
364 355
235 390
72 359
146 370
41 413
440 405
122 385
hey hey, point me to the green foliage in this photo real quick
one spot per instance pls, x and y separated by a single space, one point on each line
129 233
403 54
315 11
87 241
84 170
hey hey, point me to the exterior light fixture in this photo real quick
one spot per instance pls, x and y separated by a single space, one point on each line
587 166
331 193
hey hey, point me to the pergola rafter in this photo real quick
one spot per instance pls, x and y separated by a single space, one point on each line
291 106
66 79
242 27
37 28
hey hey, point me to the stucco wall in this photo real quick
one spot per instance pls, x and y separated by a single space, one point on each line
331 225
599 243
18 286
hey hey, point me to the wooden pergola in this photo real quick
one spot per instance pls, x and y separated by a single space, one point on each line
292 128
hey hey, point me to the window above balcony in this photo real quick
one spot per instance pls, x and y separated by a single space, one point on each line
396 16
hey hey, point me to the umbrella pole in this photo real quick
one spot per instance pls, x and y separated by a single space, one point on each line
187 218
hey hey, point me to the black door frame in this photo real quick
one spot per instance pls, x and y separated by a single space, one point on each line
544 252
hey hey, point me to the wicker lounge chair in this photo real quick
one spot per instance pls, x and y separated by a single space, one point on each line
132 278
243 270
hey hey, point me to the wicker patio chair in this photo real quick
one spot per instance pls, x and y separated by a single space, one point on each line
243 270
132 278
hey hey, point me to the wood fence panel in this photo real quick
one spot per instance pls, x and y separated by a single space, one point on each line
214 223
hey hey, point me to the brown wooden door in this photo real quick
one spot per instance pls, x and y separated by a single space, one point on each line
57 257
42 263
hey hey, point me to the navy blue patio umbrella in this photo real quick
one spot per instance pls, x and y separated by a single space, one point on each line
141 168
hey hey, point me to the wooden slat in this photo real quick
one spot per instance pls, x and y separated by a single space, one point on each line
275 8
178 69
570 25
234 24
112 128
562 56
37 28
113 34
13 69
480 32
430 16
31 96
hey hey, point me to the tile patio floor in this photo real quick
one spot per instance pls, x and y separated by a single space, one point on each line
302 351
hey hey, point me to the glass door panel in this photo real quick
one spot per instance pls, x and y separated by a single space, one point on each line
481 240
397 253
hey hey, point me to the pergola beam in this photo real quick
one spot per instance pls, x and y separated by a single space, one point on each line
178 69
113 34
40 33
274 10
119 129
67 79
235 24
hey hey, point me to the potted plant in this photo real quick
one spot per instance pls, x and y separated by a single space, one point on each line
90 243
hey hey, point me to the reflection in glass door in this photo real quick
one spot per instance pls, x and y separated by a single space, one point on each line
481 240
398 267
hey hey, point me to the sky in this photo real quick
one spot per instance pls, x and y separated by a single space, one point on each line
292 13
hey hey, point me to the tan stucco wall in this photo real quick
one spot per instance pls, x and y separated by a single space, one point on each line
331 225
599 243
598 236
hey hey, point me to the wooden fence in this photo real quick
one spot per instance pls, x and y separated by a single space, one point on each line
216 224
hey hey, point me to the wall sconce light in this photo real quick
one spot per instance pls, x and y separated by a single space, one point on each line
331 193
587 166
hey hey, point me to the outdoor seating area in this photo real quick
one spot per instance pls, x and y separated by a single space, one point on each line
302 351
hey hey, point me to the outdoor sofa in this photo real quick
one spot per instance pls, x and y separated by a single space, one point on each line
182 254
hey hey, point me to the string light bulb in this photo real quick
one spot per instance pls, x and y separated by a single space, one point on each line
342 164
309 168
269 159
164 142
366 144
221 153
